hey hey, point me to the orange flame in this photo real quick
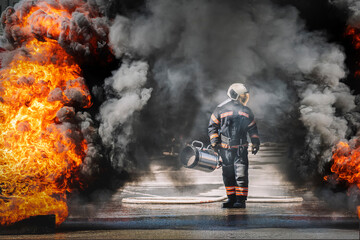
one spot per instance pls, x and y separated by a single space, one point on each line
39 161
355 34
346 159
346 165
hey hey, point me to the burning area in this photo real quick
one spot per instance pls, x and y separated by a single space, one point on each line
346 153
42 90
92 90
39 159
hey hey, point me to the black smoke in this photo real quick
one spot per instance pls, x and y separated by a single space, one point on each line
294 57
161 67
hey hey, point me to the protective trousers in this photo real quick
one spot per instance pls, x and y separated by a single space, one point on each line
235 172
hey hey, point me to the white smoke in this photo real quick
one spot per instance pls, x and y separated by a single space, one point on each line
119 35
116 113
353 6
194 51
202 47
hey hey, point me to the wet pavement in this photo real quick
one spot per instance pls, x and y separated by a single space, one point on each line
276 209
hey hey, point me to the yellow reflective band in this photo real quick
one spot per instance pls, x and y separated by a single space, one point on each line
223 145
241 194
215 135
226 114
244 114
252 123
214 119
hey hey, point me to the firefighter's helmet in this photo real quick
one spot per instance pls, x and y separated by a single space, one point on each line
238 91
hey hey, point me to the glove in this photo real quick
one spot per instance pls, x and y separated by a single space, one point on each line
215 147
220 163
255 148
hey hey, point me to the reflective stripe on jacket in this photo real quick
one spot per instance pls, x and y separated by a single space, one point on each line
230 123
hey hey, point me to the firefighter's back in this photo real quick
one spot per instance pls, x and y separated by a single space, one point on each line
234 120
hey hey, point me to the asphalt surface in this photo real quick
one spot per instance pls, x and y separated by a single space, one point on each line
293 214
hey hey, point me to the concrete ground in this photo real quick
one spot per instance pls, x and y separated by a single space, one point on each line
275 209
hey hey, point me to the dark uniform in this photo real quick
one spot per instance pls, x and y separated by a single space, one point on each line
228 128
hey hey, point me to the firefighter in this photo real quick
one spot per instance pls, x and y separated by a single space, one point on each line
229 125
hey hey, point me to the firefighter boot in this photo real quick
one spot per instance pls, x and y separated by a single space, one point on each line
240 202
230 202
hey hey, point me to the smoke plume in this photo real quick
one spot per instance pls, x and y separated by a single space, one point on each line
117 113
198 48
174 61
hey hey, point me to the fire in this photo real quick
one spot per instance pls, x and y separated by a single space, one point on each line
355 34
346 158
346 164
39 158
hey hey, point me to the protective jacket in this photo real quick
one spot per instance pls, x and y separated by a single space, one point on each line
230 123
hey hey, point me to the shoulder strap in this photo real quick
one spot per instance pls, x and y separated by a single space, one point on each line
223 103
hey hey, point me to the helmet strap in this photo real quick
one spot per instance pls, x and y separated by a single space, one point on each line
244 99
